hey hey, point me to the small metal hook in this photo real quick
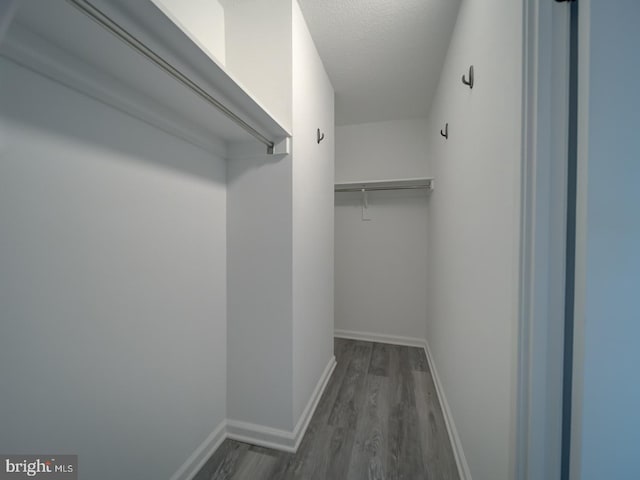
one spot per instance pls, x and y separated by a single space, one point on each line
470 81
445 134
320 137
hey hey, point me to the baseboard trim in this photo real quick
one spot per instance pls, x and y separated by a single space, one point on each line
260 435
283 440
199 457
380 338
456 444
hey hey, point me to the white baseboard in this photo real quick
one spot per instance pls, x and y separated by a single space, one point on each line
456 445
267 437
458 452
199 457
380 338
284 440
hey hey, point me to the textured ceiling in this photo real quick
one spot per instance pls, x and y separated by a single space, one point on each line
383 56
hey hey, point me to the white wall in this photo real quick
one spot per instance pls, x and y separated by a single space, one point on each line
260 338
381 264
258 43
203 20
382 150
607 392
313 174
112 284
280 254
474 216
259 236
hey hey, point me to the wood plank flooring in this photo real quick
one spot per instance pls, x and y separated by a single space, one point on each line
378 419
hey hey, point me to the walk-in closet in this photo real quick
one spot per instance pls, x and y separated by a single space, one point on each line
316 240
199 196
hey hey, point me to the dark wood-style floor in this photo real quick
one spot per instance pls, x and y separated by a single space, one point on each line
379 418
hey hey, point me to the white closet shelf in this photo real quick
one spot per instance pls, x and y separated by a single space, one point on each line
62 42
396 184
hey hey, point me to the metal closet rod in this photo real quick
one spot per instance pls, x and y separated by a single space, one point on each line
112 26
369 189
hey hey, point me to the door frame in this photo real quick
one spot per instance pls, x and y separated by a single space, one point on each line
539 343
